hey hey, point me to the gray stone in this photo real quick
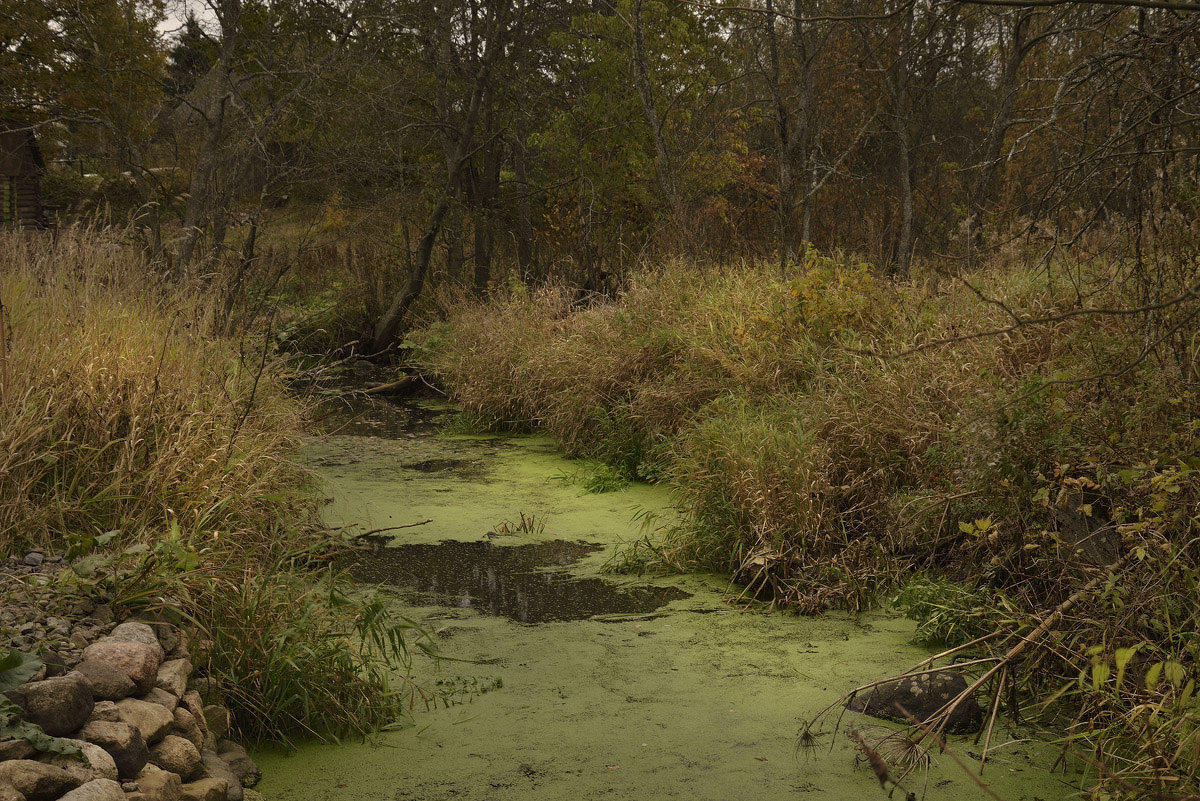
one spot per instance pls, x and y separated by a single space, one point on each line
137 631
177 755
218 719
213 767
921 697
173 676
155 784
192 702
151 719
106 711
240 763
169 638
34 559
109 682
137 660
58 705
96 790
35 780
187 727
123 743
206 790
159 696
15 749
96 762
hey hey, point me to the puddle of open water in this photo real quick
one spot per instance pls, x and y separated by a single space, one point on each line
670 705
525 583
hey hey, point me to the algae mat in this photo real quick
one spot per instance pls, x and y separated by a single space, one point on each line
700 700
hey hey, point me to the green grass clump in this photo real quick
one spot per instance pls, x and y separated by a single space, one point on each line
158 455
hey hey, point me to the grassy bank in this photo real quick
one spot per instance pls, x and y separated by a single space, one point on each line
158 455
833 439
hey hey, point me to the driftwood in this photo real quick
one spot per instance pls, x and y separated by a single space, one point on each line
999 668
405 384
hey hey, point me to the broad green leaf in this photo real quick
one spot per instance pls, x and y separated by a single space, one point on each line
16 668
1122 657
1100 674
1153 675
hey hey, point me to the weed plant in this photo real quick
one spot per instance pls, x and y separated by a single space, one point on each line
829 435
157 456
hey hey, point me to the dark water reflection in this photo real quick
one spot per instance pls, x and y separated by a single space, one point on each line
518 582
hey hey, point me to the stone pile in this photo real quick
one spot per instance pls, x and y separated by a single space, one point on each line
124 695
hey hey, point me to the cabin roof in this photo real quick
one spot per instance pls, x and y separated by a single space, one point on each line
20 155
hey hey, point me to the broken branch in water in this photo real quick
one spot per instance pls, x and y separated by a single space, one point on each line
391 528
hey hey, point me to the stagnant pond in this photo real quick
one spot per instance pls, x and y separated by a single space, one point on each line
599 686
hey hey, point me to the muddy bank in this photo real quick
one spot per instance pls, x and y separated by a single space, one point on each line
695 699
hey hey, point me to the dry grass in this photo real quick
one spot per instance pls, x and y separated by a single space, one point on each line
118 411
131 433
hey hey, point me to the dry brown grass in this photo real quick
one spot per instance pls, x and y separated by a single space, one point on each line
118 411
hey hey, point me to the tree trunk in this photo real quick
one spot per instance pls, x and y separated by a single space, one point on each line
662 155
200 190
989 167
388 325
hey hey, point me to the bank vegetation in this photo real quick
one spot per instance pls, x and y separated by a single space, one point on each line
976 449
157 456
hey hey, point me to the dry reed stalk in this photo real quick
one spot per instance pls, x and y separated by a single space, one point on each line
3 353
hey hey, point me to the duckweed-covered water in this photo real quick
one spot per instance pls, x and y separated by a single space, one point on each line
684 695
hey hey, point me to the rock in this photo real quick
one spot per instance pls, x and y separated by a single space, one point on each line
137 631
206 790
123 743
55 663
59 705
159 696
177 755
105 711
218 720
213 767
35 780
192 702
152 720
155 784
251 795
173 676
240 763
96 761
921 697
187 727
10 793
96 790
137 660
169 637
95 764
34 559
15 749
102 615
109 682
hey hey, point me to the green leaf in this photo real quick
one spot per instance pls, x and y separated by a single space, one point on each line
1174 673
16 668
1100 674
1153 676
1122 657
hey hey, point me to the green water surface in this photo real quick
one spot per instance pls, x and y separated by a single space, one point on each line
700 700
